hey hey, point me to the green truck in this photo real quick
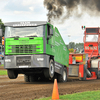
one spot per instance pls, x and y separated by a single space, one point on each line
35 49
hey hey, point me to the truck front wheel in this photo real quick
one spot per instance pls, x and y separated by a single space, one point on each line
26 78
49 73
63 77
12 74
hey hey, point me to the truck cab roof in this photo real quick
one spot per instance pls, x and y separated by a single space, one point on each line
25 23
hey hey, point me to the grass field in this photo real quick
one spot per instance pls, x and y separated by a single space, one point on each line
3 72
90 95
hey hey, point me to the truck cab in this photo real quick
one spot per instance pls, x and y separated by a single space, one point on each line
92 41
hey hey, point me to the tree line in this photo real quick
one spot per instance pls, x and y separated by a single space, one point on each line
3 29
2 26
78 46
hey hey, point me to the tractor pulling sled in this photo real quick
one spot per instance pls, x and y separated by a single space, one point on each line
86 66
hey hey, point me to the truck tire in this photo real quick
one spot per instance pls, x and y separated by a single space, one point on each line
33 78
49 73
85 75
26 78
98 75
12 74
63 77
42 77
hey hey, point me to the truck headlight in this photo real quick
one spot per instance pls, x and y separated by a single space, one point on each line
40 59
7 60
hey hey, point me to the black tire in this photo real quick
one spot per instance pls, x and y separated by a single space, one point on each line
98 75
85 75
42 77
49 73
26 78
55 77
33 78
63 77
12 74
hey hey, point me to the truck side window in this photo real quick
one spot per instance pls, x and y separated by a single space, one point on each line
50 30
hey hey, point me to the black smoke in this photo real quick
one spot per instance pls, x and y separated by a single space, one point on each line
63 9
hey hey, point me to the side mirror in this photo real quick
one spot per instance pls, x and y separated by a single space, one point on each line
51 31
0 32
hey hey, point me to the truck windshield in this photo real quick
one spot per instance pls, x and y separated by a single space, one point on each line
92 30
91 38
24 31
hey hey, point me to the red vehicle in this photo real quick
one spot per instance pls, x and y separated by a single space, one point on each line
92 48
87 64
92 41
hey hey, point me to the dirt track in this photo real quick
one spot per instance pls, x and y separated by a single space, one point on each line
2 68
19 90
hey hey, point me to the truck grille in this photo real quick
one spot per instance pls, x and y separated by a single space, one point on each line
24 48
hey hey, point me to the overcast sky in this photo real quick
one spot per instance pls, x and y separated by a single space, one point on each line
34 10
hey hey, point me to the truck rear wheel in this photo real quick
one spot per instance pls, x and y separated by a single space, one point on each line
33 78
84 77
49 73
26 78
12 74
98 75
63 77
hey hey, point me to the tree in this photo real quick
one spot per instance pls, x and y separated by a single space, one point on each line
3 28
80 46
71 45
77 46
67 46
71 50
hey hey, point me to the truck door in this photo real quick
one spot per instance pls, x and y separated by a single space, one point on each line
50 40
